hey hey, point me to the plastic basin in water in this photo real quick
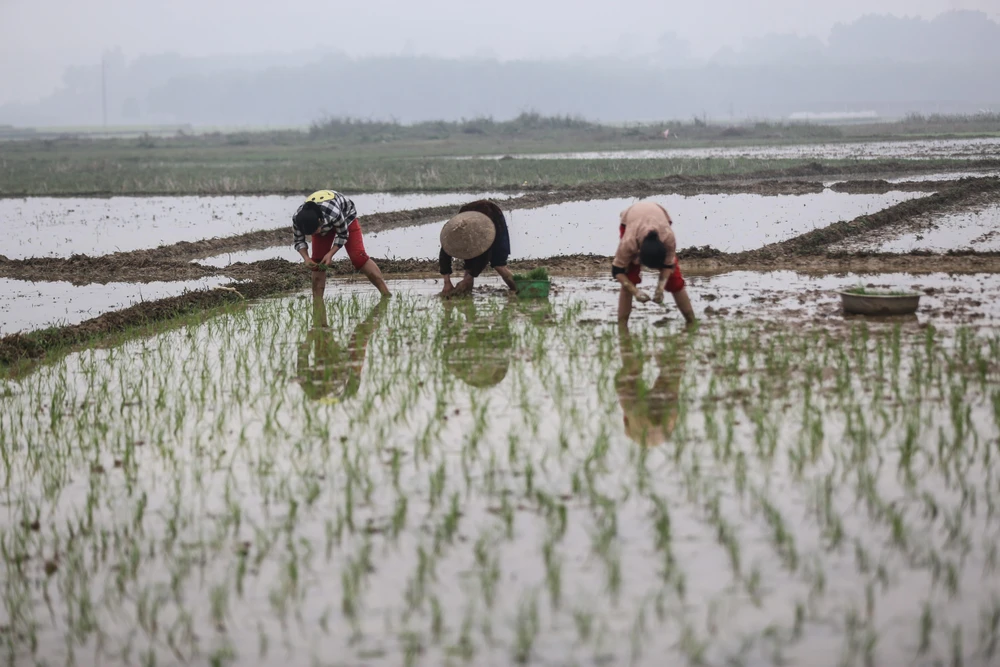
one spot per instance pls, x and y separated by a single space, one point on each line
532 289
877 304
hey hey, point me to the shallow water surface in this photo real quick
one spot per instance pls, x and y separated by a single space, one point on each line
967 230
25 306
913 149
494 481
726 222
60 227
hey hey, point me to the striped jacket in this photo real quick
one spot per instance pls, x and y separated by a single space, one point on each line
337 212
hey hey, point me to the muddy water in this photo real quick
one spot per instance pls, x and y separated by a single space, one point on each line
25 306
919 149
60 227
225 494
727 222
776 296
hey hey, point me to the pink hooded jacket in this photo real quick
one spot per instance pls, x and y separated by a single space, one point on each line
639 220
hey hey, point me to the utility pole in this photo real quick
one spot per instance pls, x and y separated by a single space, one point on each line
104 93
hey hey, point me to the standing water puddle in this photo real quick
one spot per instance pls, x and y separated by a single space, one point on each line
730 223
60 227
919 149
486 481
25 306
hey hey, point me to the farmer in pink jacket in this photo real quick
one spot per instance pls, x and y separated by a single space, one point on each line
646 238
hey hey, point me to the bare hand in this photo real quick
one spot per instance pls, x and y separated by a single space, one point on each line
448 289
327 258
658 296
311 264
641 296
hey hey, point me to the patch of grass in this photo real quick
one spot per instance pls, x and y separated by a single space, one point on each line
288 163
539 273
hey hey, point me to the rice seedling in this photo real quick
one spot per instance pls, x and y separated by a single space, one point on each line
405 493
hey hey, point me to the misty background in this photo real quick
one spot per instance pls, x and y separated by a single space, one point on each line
227 64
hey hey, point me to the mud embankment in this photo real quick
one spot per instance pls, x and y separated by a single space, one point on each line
961 195
24 347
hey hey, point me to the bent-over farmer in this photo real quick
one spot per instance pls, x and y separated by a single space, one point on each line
332 221
478 235
646 238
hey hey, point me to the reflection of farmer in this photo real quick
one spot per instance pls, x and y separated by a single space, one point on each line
334 369
478 235
332 220
647 237
649 413
477 348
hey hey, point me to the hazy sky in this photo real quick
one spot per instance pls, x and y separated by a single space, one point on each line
40 38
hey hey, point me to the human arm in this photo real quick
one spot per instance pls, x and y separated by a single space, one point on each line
304 253
507 275
621 276
444 260
299 242
328 257
661 283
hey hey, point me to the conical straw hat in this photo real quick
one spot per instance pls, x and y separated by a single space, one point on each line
468 235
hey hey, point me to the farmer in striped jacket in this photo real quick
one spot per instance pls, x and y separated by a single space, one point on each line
332 221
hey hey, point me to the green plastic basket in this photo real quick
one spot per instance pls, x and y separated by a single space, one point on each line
532 289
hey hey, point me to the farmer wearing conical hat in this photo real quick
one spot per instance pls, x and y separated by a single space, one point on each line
478 235
646 238
332 221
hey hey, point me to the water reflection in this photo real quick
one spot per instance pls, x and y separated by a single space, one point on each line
478 341
649 413
327 369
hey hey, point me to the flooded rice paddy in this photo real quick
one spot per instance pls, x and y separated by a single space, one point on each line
489 481
876 150
726 222
25 306
60 227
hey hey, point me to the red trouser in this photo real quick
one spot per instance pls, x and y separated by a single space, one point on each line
355 245
675 283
